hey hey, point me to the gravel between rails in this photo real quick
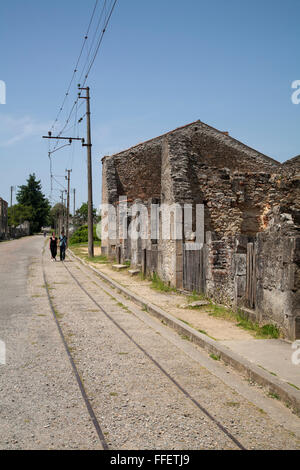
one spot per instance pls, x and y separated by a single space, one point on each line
75 370
136 404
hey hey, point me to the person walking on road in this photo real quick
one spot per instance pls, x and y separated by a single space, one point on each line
62 246
53 246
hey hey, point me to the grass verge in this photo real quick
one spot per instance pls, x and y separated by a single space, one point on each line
79 250
219 311
160 285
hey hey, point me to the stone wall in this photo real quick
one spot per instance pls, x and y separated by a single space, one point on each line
22 230
219 269
235 182
135 173
292 167
278 272
239 188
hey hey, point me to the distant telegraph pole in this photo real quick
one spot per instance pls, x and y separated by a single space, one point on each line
70 139
62 223
88 145
74 192
12 189
11 195
68 204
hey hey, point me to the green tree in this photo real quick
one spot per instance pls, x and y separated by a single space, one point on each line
31 196
18 213
55 213
81 216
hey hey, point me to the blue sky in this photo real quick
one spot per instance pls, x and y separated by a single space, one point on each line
162 64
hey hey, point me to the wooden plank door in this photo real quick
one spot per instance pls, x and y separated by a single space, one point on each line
251 276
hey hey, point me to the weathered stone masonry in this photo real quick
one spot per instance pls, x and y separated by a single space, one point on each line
251 204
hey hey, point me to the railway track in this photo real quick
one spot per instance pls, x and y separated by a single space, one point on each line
142 349
75 370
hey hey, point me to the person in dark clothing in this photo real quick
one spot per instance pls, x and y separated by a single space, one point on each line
53 247
62 246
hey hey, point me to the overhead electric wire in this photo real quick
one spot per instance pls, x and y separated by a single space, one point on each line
72 148
58 183
106 21
85 72
54 200
93 40
100 41
76 66
59 148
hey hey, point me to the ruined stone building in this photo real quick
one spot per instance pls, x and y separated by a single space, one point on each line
3 219
250 255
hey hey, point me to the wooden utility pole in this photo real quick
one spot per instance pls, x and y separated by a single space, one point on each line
88 145
74 192
11 195
61 225
68 205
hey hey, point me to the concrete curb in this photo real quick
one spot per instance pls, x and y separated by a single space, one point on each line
284 391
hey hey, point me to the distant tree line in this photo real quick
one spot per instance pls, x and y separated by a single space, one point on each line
81 216
31 205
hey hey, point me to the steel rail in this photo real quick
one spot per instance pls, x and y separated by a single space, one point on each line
154 361
75 370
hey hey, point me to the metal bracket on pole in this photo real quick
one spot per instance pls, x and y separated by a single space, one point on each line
70 139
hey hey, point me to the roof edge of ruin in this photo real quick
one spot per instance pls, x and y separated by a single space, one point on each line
242 144
246 147
153 138
291 160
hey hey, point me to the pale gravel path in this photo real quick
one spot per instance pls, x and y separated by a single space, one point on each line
40 403
137 406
